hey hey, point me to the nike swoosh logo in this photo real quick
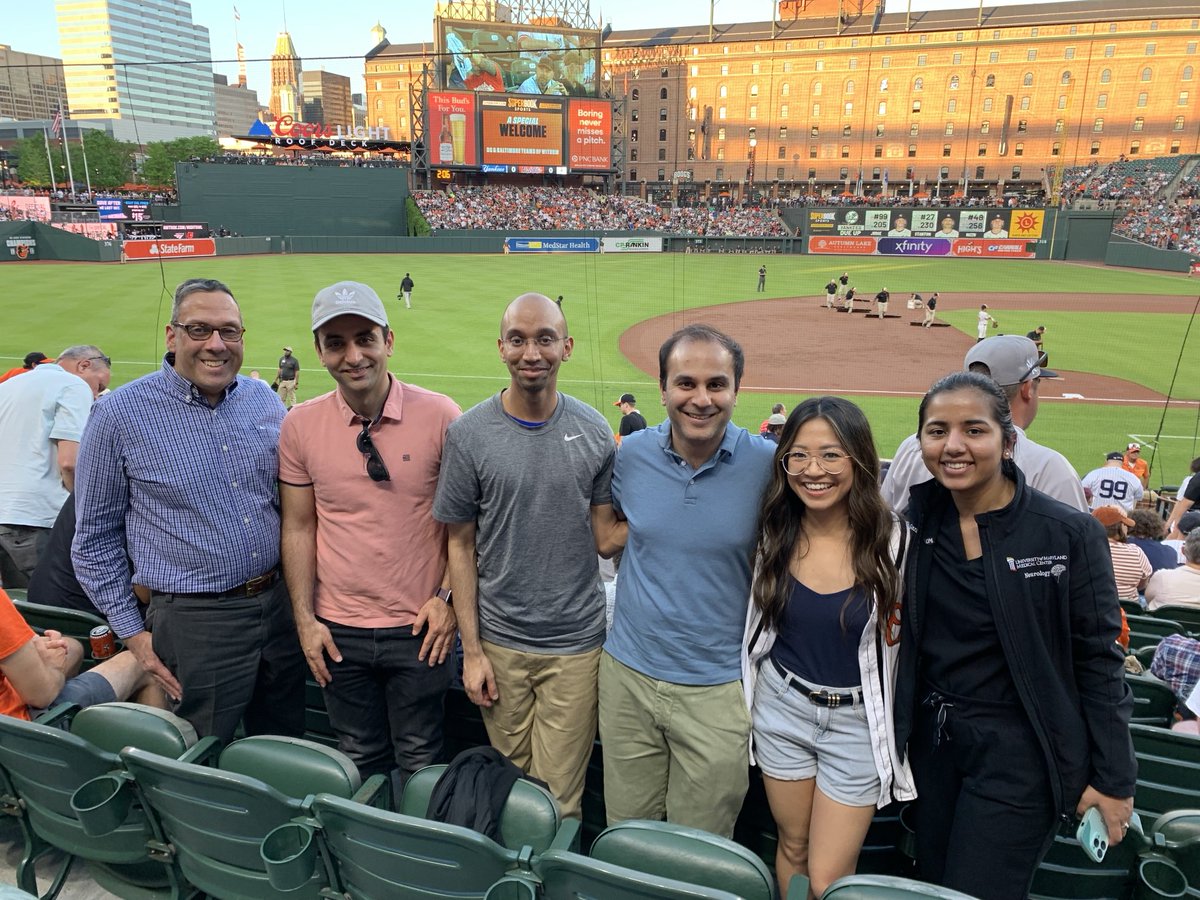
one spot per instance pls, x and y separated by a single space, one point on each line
571 437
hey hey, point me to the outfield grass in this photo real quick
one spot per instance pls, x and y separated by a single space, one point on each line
447 342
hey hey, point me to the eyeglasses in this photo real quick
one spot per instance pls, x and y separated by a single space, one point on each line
104 359
1038 363
544 342
200 331
830 461
376 468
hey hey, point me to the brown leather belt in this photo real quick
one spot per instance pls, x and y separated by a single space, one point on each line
251 588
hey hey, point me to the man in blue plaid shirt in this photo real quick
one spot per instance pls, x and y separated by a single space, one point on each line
176 491
1177 662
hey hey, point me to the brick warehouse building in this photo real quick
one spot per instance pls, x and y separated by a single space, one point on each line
982 99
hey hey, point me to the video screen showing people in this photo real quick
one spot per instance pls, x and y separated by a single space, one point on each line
517 59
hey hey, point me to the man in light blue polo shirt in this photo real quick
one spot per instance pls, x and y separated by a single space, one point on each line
673 720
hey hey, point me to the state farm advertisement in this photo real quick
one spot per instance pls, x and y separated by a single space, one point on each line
522 131
453 139
589 135
169 249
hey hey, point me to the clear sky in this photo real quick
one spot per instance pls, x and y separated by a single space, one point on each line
321 28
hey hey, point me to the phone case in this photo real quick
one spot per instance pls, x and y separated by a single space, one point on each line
1093 834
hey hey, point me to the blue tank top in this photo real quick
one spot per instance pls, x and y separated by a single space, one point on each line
817 641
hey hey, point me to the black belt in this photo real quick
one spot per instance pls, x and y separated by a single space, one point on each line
251 588
820 698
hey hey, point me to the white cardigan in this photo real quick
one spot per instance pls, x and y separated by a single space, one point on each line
877 664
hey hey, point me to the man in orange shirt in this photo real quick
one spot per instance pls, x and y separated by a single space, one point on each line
364 560
1134 463
38 671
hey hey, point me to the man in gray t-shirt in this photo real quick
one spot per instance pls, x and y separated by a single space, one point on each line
525 491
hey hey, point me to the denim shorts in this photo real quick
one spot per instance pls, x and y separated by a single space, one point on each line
795 739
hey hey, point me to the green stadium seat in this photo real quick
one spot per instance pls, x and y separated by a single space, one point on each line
885 887
1168 770
1177 835
1186 616
1147 631
41 768
380 855
1132 608
1153 700
1067 873
685 854
530 817
215 819
570 876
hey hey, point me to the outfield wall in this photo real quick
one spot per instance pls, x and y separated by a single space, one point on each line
1121 251
45 242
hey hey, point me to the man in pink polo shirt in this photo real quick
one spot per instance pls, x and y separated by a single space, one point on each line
364 560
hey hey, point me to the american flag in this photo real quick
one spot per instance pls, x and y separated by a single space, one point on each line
56 125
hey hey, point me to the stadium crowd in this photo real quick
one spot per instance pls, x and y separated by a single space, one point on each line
483 525
498 208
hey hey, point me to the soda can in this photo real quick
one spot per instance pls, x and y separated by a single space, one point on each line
103 643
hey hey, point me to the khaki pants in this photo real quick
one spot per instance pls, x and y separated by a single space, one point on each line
287 393
545 719
928 317
673 751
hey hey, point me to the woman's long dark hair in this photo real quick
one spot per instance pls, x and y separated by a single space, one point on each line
781 522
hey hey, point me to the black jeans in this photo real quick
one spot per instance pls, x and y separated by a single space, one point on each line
236 658
985 812
385 705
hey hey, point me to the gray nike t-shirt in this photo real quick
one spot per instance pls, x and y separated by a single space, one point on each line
531 490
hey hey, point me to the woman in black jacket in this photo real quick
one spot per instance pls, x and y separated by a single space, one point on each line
1011 692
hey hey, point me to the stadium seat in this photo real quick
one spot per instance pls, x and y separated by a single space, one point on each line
1153 700
886 887
1186 616
1147 631
530 817
1132 608
1168 770
685 854
215 819
380 855
41 768
1177 834
1067 873
570 876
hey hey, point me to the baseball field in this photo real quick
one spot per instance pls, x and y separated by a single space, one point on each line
1122 339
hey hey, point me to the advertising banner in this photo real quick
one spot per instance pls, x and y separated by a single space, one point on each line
180 231
589 136
29 209
551 245
169 249
451 129
926 232
631 245
500 57
522 131
20 248
97 231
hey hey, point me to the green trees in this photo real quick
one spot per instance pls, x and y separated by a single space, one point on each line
109 161
161 156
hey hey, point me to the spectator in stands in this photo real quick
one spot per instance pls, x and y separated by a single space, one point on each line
819 656
529 600
1112 484
224 643
1130 566
678 622
36 358
631 419
1177 534
1179 586
1147 532
372 597
1134 463
776 409
1193 468
1184 502
775 427
1012 722
1177 662
1014 363
39 671
42 416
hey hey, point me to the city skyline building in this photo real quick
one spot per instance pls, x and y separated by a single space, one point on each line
237 107
32 86
287 98
327 98
122 61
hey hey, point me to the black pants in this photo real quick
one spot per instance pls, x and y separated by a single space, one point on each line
386 705
236 658
985 812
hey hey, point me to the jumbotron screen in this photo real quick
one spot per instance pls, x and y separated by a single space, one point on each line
525 132
500 57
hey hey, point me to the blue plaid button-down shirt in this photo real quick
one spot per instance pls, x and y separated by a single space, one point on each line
182 491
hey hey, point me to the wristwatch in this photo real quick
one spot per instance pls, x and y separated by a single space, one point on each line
445 594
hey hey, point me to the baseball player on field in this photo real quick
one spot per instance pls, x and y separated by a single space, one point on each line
985 318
